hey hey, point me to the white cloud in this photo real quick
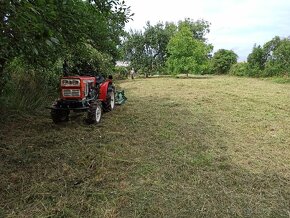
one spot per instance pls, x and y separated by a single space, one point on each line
236 24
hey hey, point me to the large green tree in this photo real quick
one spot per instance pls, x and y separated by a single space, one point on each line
41 32
187 54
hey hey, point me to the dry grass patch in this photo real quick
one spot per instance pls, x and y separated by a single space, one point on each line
215 147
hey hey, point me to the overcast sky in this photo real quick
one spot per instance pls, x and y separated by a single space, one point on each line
235 24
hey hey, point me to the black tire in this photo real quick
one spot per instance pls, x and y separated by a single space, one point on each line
59 116
109 104
94 113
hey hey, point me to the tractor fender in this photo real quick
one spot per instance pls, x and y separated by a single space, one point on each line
104 89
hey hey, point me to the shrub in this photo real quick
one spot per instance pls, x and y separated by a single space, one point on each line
120 72
28 89
223 60
239 69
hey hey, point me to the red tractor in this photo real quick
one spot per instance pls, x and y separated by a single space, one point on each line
84 94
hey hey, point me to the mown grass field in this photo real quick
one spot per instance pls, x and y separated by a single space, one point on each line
210 147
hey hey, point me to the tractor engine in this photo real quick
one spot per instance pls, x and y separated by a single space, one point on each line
78 88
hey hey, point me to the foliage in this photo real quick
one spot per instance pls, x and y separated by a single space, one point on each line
84 59
156 40
223 60
270 60
270 46
42 28
198 28
120 72
279 64
187 54
44 33
239 69
147 50
135 51
257 59
28 89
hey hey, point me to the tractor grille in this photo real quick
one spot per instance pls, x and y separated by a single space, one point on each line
71 93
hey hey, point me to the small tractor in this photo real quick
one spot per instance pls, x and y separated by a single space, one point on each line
89 94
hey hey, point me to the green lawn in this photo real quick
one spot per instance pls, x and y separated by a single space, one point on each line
199 147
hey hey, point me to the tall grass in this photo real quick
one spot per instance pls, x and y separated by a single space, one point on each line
28 89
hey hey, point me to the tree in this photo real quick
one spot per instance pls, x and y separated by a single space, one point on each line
146 50
134 50
156 40
187 54
270 47
36 36
271 59
223 60
42 32
198 28
257 59
279 64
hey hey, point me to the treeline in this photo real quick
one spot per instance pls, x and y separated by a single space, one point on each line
271 59
168 48
37 36
174 48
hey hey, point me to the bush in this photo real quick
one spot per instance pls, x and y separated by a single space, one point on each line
239 69
28 89
222 61
121 72
255 71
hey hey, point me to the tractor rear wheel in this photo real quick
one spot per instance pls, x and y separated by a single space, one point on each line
94 113
109 104
59 116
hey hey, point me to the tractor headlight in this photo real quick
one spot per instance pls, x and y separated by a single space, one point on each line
76 82
64 82
70 82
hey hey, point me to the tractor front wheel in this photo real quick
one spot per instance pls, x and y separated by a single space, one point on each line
94 113
59 116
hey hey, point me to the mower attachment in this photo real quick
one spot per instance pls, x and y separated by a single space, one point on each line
120 97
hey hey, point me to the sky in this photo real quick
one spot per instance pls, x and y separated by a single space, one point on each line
235 24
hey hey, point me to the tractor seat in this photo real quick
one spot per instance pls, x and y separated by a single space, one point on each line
99 79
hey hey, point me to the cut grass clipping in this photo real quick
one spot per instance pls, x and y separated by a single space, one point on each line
215 147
